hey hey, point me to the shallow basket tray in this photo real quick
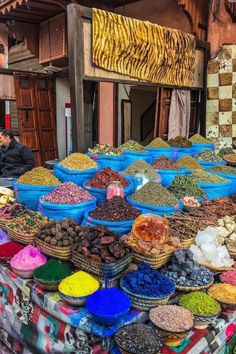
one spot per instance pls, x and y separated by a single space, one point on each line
111 269
154 261
188 289
3 224
215 269
187 243
19 237
232 254
63 253
47 285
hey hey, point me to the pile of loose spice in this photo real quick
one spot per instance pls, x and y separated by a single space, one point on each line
224 169
225 293
172 318
208 156
198 139
200 303
189 162
155 195
78 161
183 186
205 177
132 145
115 209
141 165
158 143
68 193
164 163
103 178
220 207
105 149
39 176
180 141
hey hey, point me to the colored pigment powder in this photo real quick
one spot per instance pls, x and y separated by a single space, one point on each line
79 284
229 277
68 193
28 258
3 237
53 270
103 178
225 293
200 303
8 250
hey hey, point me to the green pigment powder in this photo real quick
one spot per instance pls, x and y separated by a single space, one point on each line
200 303
51 271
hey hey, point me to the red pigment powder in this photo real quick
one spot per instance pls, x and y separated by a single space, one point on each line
229 277
9 249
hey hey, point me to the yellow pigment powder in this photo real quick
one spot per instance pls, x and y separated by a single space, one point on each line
78 284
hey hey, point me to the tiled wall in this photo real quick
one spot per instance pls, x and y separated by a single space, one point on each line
221 103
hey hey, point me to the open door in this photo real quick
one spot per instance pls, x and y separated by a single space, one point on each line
36 115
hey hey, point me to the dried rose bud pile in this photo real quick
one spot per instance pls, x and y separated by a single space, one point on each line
68 193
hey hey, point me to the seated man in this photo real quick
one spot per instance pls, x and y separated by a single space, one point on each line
15 158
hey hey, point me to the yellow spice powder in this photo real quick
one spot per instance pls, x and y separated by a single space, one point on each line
225 293
79 284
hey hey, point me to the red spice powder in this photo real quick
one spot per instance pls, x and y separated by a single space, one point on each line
9 249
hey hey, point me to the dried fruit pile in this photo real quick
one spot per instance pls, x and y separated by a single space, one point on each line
164 163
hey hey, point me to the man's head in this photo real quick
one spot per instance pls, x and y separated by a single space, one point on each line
6 136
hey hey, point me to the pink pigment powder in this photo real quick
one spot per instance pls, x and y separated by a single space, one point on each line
28 258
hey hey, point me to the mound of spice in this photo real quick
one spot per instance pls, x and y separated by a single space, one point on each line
105 149
28 258
189 162
60 233
230 158
10 211
158 143
200 303
132 145
208 155
103 178
141 165
150 234
224 169
100 245
205 177
53 270
172 318
154 194
180 141
115 209
78 161
225 293
229 277
164 163
139 338
183 271
78 284
39 176
9 249
148 282
68 193
224 151
183 186
198 139
28 223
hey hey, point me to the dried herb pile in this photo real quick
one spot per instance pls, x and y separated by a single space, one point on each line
155 195
183 186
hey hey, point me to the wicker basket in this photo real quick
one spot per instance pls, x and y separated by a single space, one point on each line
215 269
3 224
101 269
227 159
48 285
189 289
187 243
232 255
63 253
26 239
154 261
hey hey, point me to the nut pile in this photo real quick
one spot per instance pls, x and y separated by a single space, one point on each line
180 141
172 318
60 233
103 178
164 163
39 176
132 145
105 149
78 161
115 209
208 155
68 193
100 245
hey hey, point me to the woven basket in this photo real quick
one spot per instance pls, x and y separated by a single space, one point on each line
187 243
48 286
3 224
232 255
63 253
101 269
215 269
26 239
154 261
189 289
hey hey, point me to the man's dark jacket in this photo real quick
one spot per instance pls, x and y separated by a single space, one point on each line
15 160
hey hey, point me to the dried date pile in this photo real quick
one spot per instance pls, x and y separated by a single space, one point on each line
100 245
60 233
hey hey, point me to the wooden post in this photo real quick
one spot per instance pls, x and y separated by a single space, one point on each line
81 136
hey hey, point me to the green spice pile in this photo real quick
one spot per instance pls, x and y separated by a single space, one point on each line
180 141
225 151
224 169
164 163
208 155
200 303
205 177
138 166
132 145
183 186
105 149
53 270
189 162
198 139
39 176
154 194
158 143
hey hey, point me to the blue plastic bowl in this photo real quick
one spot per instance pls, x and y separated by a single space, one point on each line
109 306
